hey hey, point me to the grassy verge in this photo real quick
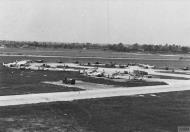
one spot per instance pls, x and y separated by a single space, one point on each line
129 83
169 77
175 72
34 88
163 113
84 53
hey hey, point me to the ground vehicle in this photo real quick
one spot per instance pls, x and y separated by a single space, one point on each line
68 81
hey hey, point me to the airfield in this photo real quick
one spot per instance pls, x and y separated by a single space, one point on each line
160 104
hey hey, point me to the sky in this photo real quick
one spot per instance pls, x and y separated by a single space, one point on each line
96 21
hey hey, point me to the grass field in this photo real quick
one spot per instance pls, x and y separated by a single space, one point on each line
162 113
169 77
26 81
124 58
13 81
88 53
176 72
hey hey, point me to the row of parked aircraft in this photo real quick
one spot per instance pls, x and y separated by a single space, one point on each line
135 74
94 71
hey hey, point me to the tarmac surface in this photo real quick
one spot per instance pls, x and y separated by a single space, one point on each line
177 85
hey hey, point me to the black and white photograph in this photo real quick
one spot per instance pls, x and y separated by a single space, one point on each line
94 66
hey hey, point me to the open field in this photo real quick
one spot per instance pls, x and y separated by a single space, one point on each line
177 72
87 53
172 63
160 113
13 81
169 77
147 112
26 82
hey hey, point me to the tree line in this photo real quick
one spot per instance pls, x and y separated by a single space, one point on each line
150 48
120 47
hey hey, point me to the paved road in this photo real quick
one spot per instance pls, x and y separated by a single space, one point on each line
100 93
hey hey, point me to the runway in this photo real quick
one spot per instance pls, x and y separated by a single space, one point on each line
179 85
